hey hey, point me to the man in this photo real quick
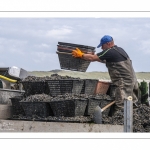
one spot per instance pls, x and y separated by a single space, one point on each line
119 67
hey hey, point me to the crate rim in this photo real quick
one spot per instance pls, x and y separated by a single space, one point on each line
76 45
81 99
33 102
63 79
32 81
69 48
16 97
94 98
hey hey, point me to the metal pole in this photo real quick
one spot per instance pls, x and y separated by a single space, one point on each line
128 114
149 93
149 89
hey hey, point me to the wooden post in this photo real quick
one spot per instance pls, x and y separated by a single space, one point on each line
128 114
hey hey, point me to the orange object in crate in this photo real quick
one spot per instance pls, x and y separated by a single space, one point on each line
102 87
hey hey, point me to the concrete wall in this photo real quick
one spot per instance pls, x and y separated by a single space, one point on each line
5 111
6 94
35 126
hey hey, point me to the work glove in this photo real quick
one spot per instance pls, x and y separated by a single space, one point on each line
77 53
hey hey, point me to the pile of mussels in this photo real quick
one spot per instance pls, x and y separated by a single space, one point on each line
141 118
52 77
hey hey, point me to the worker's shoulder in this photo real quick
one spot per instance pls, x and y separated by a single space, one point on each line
120 50
118 47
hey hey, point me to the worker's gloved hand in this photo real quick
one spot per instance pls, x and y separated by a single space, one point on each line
77 53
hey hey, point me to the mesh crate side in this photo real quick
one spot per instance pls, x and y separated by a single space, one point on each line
17 108
77 86
80 107
41 109
32 87
70 63
61 87
63 108
68 108
90 85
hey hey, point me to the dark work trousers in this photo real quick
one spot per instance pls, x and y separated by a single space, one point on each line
123 77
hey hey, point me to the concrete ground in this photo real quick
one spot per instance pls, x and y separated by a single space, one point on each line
36 126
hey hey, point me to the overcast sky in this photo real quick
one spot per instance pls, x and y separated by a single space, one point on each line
31 43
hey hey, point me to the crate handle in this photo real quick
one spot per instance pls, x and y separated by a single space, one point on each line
71 53
63 53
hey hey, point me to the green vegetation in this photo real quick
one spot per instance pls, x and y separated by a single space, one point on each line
143 75
144 92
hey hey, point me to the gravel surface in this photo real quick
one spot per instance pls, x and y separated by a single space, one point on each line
80 119
77 119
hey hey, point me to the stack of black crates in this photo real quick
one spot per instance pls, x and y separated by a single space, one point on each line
70 106
58 106
29 109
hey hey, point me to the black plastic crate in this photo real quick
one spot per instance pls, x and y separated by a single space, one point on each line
34 87
64 86
91 105
68 62
41 109
69 108
16 107
89 86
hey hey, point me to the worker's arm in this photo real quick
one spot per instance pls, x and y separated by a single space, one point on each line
90 57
